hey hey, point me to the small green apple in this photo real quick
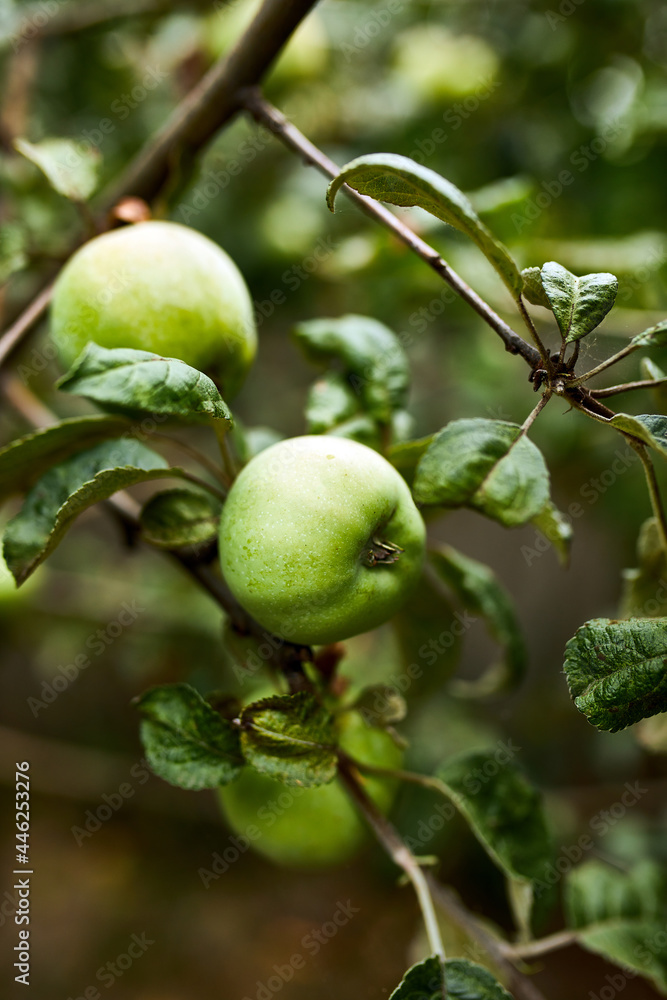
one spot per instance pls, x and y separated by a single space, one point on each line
320 539
311 827
304 57
161 287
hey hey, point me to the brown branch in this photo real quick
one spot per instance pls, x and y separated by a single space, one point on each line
208 106
265 114
24 323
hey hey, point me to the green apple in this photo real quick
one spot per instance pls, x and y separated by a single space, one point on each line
304 57
320 539
437 64
161 287
311 827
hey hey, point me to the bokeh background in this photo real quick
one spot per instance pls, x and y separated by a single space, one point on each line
501 98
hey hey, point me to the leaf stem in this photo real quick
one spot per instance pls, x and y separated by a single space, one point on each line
653 488
613 390
397 850
532 329
628 349
203 485
195 454
533 949
229 465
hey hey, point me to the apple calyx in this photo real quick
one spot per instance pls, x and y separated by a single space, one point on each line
381 552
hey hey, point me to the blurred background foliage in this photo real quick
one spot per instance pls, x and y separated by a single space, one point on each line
553 117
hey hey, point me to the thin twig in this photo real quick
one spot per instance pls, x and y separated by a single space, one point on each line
396 849
194 453
533 949
532 329
614 390
25 322
526 425
628 349
265 114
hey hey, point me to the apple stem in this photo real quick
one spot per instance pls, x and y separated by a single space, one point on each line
381 552
397 850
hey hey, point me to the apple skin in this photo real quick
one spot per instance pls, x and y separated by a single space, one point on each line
295 534
311 827
160 287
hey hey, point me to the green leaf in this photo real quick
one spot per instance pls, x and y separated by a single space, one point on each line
290 737
186 741
556 529
68 489
13 256
480 591
617 670
651 428
465 981
405 457
361 428
533 289
579 304
180 517
504 811
23 461
488 465
69 170
621 915
645 587
127 381
655 336
400 181
331 401
370 355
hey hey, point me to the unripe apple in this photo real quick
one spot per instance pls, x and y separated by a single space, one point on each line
320 539
160 287
311 827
